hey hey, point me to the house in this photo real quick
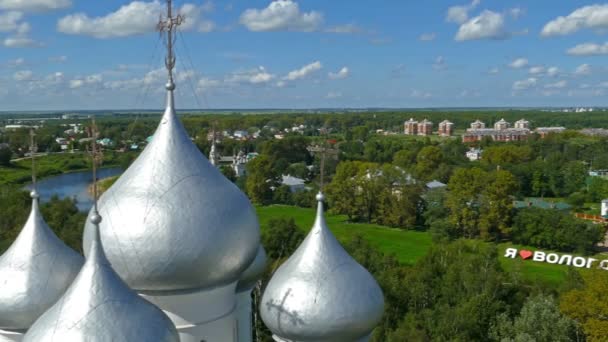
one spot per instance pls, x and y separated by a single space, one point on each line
295 184
435 184
474 154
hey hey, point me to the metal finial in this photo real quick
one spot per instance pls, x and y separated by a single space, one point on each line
33 150
96 157
169 25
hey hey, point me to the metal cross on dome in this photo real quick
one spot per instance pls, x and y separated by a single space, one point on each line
96 156
169 25
33 150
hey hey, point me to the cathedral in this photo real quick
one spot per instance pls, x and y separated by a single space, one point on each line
172 253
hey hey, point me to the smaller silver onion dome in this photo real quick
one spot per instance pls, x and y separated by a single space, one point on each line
321 293
254 272
34 272
99 306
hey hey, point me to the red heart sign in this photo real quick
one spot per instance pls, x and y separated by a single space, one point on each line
525 254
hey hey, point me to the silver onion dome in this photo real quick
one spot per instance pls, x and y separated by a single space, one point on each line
254 272
321 293
100 307
173 221
34 272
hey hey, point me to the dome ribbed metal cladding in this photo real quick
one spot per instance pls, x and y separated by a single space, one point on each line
100 307
321 293
34 272
172 221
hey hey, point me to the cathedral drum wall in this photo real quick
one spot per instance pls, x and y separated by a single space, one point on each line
207 315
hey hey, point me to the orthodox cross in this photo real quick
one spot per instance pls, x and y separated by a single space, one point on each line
33 150
169 25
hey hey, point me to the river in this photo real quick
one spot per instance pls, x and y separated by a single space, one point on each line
72 185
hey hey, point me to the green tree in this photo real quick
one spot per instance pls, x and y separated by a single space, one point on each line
281 237
427 161
5 155
539 320
262 177
464 199
497 205
586 305
575 174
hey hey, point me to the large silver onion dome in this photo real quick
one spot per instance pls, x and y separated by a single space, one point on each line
321 293
34 272
100 307
173 221
254 272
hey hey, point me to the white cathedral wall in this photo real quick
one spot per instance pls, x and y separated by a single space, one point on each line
10 336
207 316
243 309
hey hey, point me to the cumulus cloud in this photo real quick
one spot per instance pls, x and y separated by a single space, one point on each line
460 14
304 71
135 18
553 71
91 80
281 15
537 70
16 62
21 42
516 12
583 70
493 71
258 76
22 75
589 49
9 21
34 5
341 74
525 84
427 37
587 17
487 25
557 85
519 63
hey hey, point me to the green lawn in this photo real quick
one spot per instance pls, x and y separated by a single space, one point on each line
408 246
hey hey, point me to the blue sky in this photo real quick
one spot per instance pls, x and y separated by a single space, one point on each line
77 54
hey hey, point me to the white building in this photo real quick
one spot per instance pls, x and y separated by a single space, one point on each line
474 154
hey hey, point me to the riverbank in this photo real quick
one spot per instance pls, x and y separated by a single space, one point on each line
56 164
103 185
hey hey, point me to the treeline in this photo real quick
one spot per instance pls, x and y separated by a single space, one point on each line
460 292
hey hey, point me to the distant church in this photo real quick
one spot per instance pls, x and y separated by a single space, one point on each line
172 254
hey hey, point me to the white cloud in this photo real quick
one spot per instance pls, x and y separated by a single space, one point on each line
487 25
58 59
519 63
587 17
493 71
427 37
582 70
333 95
341 74
589 49
207 83
281 15
16 62
460 14
553 71
91 80
439 63
344 29
537 70
516 12
253 76
557 85
9 21
304 71
34 5
22 75
135 18
525 84
21 42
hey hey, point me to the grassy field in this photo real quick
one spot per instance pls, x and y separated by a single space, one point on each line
409 246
